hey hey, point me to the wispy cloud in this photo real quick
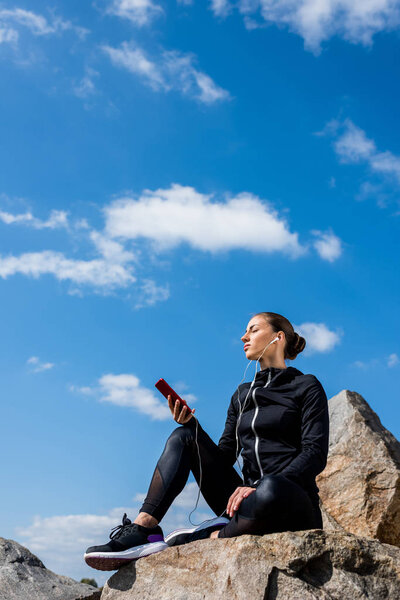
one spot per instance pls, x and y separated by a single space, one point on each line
390 361
221 8
180 214
57 219
8 35
97 273
316 21
327 244
110 269
170 70
37 24
319 338
150 293
352 146
86 87
38 366
139 12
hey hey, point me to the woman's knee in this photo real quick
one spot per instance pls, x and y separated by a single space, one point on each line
269 494
180 435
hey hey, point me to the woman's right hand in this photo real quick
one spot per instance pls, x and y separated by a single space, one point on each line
180 416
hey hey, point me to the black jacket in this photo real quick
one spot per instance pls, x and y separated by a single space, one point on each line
284 428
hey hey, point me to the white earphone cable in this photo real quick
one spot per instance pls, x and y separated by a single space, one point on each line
241 410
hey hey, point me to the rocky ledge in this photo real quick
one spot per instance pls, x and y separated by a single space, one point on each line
305 565
23 576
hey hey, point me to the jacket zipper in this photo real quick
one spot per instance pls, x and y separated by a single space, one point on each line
257 439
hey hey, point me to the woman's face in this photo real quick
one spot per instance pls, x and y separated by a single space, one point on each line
258 334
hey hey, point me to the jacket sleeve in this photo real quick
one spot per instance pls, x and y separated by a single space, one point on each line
227 442
312 457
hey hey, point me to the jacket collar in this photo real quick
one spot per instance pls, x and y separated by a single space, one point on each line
287 373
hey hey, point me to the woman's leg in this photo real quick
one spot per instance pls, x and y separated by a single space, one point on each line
278 504
180 456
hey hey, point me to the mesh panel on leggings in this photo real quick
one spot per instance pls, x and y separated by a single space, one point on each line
180 456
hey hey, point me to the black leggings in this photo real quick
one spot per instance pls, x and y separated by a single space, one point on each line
278 504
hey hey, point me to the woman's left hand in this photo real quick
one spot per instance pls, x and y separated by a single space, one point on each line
236 499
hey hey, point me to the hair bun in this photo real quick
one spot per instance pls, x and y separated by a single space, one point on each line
298 344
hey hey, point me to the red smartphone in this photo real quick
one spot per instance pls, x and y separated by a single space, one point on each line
167 390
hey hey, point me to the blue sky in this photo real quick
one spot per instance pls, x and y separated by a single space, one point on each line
167 170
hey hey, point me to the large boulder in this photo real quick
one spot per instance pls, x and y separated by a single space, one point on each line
305 565
360 486
24 577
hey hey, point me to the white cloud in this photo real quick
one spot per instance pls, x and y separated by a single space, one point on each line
171 70
125 390
112 251
316 21
167 218
371 190
61 540
98 273
86 86
8 35
38 365
112 268
180 214
390 361
139 12
57 219
318 336
134 60
37 24
150 293
221 8
393 360
353 146
327 244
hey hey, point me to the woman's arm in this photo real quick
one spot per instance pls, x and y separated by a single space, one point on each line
314 436
313 454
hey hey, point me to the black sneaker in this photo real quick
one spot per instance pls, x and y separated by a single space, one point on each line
128 542
202 531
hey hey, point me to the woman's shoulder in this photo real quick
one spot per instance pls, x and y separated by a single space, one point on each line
306 380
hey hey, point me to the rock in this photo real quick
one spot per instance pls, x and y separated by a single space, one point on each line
24 577
360 486
303 565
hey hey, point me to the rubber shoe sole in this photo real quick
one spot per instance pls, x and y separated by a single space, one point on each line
111 561
174 539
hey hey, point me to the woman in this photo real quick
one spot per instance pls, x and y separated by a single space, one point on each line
280 424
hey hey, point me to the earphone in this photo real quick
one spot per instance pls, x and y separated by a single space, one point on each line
241 410
242 407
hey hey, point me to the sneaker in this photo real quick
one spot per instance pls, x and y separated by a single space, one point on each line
183 536
128 542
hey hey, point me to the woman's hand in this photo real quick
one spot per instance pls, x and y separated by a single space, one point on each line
180 416
236 499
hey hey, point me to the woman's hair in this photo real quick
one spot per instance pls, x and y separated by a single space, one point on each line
294 342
